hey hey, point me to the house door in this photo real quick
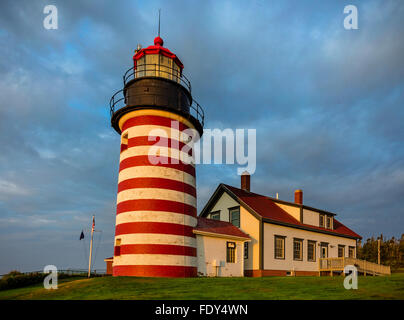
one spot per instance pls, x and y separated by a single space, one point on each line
324 252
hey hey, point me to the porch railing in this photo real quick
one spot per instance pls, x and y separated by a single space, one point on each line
338 264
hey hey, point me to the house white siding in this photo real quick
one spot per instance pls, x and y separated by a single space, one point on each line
223 204
289 264
210 249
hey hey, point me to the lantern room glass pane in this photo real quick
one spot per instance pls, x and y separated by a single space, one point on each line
140 67
158 65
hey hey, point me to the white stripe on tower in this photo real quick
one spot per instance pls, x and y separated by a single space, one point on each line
161 216
164 239
164 151
156 172
156 193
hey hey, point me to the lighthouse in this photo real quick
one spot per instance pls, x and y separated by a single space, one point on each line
156 200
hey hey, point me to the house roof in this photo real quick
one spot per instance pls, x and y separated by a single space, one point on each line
223 228
265 208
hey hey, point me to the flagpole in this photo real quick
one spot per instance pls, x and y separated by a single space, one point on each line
91 248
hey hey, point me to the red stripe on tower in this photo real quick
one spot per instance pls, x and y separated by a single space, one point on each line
155 205
154 121
154 227
165 162
155 271
156 183
158 249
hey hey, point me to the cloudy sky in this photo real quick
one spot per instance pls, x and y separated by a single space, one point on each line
327 104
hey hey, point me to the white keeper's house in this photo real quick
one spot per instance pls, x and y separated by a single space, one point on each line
277 238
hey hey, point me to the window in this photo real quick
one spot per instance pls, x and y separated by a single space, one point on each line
341 251
279 247
235 216
245 250
329 222
117 249
215 215
124 142
231 252
322 217
311 250
351 252
297 249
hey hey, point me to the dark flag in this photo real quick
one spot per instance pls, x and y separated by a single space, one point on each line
82 235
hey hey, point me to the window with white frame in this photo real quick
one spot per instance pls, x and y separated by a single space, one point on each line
351 252
311 250
322 218
279 247
234 214
231 252
297 249
341 251
329 220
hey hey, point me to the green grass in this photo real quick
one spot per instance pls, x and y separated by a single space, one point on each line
391 287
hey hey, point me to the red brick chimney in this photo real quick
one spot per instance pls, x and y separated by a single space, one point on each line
299 196
245 181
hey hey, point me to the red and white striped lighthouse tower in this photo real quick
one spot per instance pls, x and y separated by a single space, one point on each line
156 203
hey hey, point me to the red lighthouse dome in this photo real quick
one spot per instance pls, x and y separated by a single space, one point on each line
156 49
158 41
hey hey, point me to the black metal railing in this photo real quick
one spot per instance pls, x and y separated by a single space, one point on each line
197 112
118 101
156 70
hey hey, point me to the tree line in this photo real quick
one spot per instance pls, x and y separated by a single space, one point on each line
391 251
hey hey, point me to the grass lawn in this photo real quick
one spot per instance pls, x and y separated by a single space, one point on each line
391 287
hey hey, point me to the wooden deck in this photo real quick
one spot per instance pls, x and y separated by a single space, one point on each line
331 265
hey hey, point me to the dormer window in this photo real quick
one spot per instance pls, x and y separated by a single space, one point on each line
322 220
325 221
329 218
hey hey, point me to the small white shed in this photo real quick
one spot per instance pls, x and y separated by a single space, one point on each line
221 248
